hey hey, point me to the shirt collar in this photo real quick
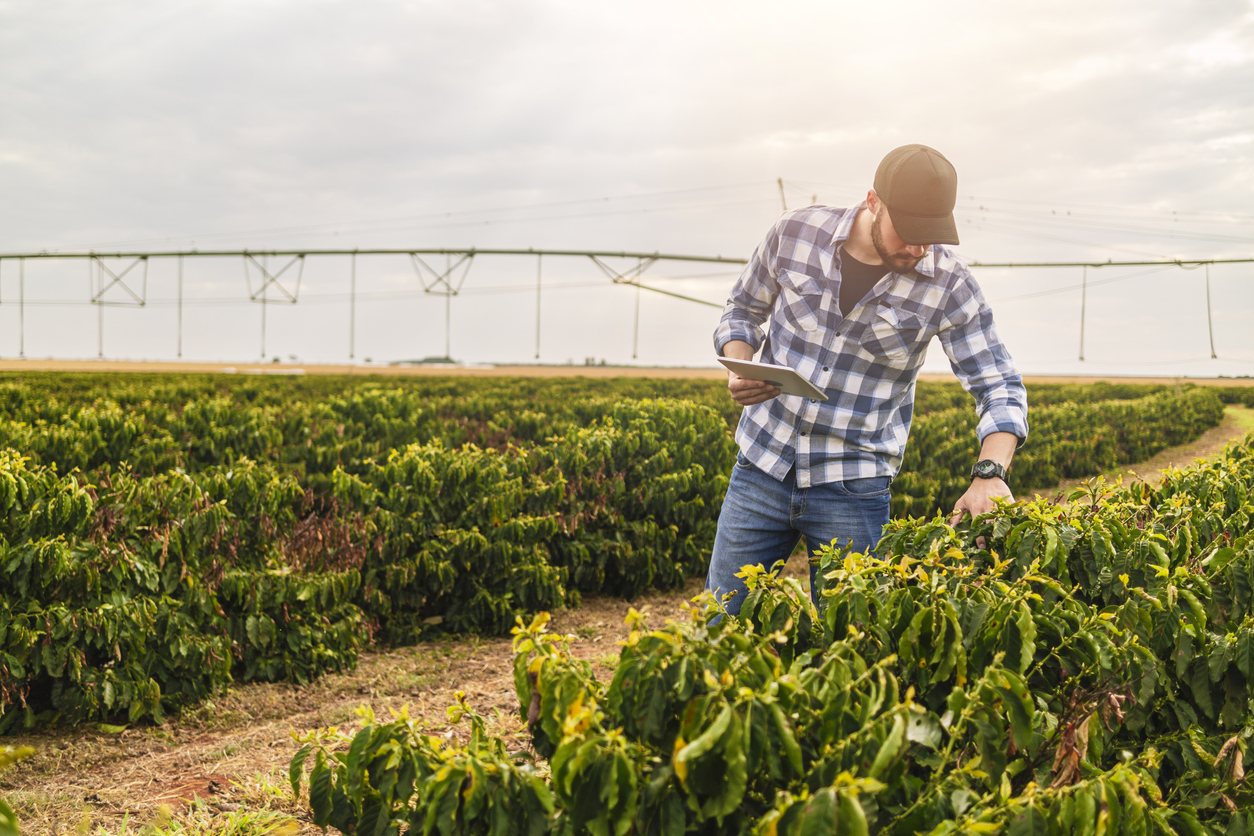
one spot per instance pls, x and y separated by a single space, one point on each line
927 264
843 227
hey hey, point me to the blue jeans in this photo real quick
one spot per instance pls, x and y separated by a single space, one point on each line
763 519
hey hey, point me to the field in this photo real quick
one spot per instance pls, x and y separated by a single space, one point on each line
196 563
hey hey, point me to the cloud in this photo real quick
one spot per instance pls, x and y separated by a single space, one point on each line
166 122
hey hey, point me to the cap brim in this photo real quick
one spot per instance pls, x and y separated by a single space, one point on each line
915 230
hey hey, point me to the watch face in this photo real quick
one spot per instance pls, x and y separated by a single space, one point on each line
986 468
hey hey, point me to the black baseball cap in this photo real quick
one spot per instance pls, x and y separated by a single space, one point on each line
919 187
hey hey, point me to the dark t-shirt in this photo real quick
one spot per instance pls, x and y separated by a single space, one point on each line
856 280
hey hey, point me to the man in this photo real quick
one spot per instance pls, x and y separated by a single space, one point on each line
850 298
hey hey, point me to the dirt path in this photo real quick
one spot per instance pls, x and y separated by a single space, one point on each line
1237 421
232 753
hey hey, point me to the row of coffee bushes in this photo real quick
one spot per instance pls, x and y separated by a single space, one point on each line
266 390
1065 441
1243 395
189 422
469 538
128 595
311 426
937 396
139 584
309 438
29 396
1089 672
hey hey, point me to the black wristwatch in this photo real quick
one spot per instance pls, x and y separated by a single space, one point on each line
988 469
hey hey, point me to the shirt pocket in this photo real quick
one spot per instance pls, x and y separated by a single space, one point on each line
800 301
893 334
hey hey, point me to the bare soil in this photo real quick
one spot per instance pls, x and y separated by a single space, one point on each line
235 749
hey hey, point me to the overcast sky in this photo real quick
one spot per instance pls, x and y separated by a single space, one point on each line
651 126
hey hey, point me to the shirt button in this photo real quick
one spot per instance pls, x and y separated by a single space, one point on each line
825 368
812 400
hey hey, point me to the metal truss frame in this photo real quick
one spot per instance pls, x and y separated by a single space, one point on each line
632 277
269 280
96 272
446 284
450 281
442 283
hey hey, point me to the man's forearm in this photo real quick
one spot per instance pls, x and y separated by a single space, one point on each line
1000 447
738 350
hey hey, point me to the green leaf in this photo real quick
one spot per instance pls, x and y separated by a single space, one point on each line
1027 637
851 820
266 631
1218 657
1086 812
625 814
706 740
924 728
1236 701
8 820
441 798
889 748
819 815
1196 610
1192 827
1028 821
1018 702
961 798
1199 682
353 766
1184 650
736 775
296 770
320 790
1244 653
791 749
1219 559
375 816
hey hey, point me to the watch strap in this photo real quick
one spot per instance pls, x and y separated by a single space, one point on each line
988 469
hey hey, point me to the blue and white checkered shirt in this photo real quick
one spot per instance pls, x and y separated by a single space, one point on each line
867 361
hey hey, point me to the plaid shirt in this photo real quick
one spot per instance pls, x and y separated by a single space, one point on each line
867 361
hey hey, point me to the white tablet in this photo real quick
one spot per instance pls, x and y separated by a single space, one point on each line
787 380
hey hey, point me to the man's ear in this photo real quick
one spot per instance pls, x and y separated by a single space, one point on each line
872 201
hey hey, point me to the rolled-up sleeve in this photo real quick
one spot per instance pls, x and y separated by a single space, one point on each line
982 363
752 297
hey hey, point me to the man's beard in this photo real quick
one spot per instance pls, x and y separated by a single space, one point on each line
899 262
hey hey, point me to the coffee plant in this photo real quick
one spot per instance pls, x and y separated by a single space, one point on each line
129 596
1086 670
164 535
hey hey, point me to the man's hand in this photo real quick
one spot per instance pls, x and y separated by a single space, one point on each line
744 391
998 447
747 392
979 498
